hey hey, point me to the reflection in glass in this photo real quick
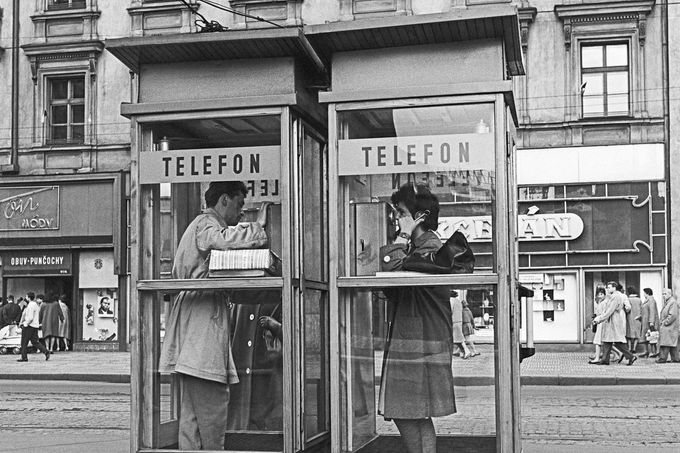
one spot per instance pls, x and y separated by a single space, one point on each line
370 316
449 149
617 55
591 57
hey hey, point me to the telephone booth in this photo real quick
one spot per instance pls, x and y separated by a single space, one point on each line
409 100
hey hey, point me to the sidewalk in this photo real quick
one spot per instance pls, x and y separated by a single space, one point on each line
545 368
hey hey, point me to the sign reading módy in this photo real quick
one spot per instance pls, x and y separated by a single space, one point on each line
29 208
23 263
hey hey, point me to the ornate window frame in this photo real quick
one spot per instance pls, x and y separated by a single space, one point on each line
155 17
283 12
622 21
49 61
360 9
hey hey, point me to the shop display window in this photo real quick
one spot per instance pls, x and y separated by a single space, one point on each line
448 149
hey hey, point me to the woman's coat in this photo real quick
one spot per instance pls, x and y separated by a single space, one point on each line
669 325
613 319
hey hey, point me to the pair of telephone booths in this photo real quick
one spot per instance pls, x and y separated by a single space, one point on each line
325 122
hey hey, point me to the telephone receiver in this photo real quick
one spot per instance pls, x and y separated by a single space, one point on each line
422 215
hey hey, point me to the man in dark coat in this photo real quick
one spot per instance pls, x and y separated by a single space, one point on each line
10 313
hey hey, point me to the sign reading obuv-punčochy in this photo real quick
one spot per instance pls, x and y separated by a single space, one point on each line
29 208
210 164
416 154
50 262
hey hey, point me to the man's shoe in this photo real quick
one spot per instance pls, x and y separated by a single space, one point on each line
660 361
602 363
632 360
47 355
22 360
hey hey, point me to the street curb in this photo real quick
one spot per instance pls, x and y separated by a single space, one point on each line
80 377
461 381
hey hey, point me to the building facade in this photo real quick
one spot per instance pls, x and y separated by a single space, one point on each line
65 158
593 158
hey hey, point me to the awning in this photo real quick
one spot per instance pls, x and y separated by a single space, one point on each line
488 22
315 44
228 45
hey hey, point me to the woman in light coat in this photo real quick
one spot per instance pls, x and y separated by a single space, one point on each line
598 309
649 314
669 328
613 320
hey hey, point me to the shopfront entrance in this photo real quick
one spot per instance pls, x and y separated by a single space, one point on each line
323 171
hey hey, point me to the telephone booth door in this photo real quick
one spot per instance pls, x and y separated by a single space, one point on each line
281 400
458 149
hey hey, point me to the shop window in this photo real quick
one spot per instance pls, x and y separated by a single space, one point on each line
447 150
65 4
65 110
605 79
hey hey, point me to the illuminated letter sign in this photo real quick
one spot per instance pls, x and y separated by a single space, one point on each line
369 156
29 208
210 164
540 227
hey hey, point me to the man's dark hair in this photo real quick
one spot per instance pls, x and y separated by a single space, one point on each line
30 295
648 291
41 296
454 293
616 285
631 290
216 189
600 290
418 198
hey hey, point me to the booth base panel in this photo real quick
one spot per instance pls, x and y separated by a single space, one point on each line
468 444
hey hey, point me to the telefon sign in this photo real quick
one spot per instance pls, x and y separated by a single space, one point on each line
539 227
415 154
210 164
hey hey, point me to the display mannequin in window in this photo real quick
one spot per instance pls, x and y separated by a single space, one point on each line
417 380
197 339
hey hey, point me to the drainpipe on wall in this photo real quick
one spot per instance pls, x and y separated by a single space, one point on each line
667 133
13 166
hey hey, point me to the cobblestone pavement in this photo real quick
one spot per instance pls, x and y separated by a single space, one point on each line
609 418
60 416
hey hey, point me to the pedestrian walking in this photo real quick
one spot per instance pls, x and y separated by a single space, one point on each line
633 318
64 324
50 317
30 323
613 320
469 328
600 303
649 322
669 328
457 319
196 345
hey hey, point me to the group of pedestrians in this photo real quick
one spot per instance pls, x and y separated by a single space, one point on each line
33 313
622 322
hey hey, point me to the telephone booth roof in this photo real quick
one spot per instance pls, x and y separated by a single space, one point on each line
314 44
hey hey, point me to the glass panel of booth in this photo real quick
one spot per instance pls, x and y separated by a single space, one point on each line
211 222
447 151
411 353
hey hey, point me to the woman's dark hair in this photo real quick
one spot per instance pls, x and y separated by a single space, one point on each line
216 189
418 199
648 291
600 290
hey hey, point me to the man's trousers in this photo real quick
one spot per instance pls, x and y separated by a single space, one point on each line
203 413
607 349
30 334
